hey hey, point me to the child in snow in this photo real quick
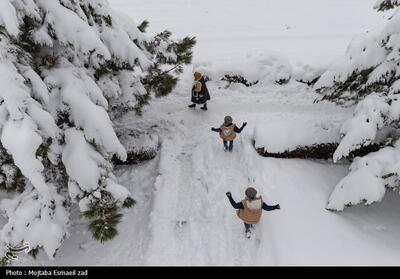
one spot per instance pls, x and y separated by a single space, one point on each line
250 208
227 131
200 94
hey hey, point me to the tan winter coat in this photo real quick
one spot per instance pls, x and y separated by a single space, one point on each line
251 214
197 86
227 133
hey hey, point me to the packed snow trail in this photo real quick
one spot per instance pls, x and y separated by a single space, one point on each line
194 175
183 217
192 222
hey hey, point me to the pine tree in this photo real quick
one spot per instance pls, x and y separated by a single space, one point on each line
68 68
371 63
383 5
167 52
368 75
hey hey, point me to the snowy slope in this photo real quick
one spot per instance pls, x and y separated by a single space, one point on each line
184 218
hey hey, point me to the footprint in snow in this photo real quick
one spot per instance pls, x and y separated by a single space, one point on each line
181 224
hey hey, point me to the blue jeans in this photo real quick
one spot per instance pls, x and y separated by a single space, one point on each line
247 227
228 145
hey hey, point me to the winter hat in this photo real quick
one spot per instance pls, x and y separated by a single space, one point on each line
227 120
197 75
251 193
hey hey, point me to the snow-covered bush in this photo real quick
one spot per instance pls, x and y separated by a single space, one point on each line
287 139
308 74
140 144
369 75
67 69
256 68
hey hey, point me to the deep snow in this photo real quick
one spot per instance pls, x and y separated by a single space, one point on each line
182 216
307 31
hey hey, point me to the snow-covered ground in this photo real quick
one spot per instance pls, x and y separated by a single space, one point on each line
182 216
306 31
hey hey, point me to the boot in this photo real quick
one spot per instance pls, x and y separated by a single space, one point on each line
248 234
204 107
192 105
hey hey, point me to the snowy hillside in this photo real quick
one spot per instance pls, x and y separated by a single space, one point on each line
182 215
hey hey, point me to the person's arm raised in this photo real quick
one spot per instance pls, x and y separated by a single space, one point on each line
267 207
235 205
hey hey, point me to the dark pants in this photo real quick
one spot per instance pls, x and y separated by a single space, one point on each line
230 146
247 227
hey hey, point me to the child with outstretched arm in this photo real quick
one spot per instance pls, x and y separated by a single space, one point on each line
227 131
250 208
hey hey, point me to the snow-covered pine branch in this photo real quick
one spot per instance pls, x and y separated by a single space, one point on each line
368 178
371 64
370 115
376 116
368 74
383 5
67 68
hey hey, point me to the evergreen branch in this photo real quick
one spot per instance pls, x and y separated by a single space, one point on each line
143 26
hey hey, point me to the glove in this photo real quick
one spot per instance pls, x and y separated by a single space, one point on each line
278 206
244 124
213 129
228 194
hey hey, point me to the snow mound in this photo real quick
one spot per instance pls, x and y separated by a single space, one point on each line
261 68
308 73
287 135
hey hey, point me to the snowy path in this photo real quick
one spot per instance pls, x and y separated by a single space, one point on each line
184 218
192 222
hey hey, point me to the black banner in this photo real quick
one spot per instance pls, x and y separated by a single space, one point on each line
114 271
